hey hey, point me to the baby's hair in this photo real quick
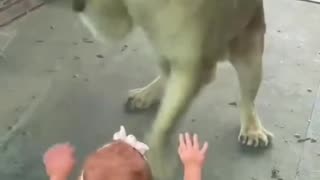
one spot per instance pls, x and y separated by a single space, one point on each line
118 161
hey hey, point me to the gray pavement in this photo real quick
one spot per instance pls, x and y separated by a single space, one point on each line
56 85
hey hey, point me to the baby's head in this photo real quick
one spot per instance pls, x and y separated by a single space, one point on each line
123 159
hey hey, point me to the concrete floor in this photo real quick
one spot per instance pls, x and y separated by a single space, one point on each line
55 88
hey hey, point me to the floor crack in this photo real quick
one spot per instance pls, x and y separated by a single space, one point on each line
313 109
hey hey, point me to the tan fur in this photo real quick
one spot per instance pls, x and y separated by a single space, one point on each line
192 36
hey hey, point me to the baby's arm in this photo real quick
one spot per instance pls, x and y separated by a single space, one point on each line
192 156
192 173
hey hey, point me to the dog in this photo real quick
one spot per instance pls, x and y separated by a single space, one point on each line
191 37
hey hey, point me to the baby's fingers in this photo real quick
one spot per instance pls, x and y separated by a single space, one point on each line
188 140
182 144
58 150
204 148
195 141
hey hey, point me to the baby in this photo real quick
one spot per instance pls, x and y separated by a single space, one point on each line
122 159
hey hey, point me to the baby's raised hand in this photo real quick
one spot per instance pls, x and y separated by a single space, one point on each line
59 160
190 152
